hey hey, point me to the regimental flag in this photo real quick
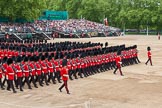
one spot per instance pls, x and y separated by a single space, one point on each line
106 22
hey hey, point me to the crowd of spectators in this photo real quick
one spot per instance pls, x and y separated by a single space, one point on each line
75 26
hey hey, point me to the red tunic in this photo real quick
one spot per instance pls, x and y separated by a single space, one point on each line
33 72
1 55
44 67
5 53
0 73
50 67
19 71
5 68
9 54
56 65
64 71
38 69
149 54
118 60
10 73
26 70
69 65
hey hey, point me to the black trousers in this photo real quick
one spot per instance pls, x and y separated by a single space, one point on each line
70 72
51 77
149 59
1 83
44 77
38 78
65 85
33 80
118 67
27 82
80 72
74 72
19 82
10 85
58 76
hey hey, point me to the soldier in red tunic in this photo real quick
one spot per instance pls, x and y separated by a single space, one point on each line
118 63
1 77
44 69
32 72
26 72
64 75
38 70
50 69
19 73
10 75
4 69
149 56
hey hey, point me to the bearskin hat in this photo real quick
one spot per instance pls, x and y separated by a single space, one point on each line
64 62
148 48
119 52
9 61
25 59
4 59
52 54
46 55
49 57
31 58
42 57
106 44
19 59
135 46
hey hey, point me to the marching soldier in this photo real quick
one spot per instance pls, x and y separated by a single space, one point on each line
38 70
149 56
10 75
1 78
118 63
57 71
44 70
25 68
19 73
33 72
4 69
64 75
50 70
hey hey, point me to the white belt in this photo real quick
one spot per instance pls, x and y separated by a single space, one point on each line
56 66
44 68
38 69
19 71
11 73
25 71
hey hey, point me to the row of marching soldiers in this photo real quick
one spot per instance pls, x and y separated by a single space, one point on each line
21 70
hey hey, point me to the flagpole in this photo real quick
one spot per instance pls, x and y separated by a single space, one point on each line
147 30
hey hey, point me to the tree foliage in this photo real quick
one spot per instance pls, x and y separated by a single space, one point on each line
22 9
131 13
